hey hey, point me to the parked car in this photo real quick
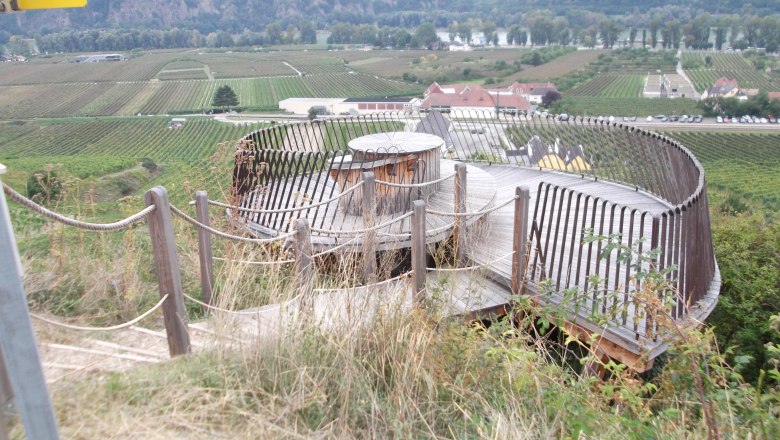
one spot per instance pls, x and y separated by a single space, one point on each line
684 118
674 118
725 119
734 120
633 118
764 120
625 118
649 119
563 117
721 119
771 119
660 117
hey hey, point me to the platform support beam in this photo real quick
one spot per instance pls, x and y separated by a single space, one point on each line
418 251
369 221
520 239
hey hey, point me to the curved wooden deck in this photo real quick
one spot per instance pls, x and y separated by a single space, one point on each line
641 190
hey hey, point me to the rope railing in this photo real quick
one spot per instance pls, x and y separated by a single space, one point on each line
259 263
440 229
97 227
414 185
225 235
242 312
102 329
287 210
468 268
334 249
362 231
372 285
472 213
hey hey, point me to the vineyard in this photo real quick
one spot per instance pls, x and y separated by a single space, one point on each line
746 164
611 86
594 106
728 65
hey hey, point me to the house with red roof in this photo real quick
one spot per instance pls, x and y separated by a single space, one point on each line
473 97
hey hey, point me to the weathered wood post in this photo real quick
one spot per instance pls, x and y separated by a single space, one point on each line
205 254
168 271
418 251
520 239
655 242
20 360
459 230
304 267
369 221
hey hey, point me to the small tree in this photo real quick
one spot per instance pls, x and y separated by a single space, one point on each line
550 97
313 112
225 97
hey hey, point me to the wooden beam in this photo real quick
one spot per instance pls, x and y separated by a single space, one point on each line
369 221
168 271
418 251
459 230
205 254
304 267
520 240
20 360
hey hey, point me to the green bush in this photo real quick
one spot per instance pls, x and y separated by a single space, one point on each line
44 186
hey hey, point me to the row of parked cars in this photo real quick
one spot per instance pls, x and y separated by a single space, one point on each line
747 119
674 118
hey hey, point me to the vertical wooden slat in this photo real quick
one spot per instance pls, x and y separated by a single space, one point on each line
418 251
461 195
304 268
168 271
204 248
17 340
369 221
520 238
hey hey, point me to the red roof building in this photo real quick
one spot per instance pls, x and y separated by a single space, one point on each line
473 97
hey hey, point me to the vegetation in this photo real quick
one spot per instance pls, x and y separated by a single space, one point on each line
586 105
748 70
619 61
225 97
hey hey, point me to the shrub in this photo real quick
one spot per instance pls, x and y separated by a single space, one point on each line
44 186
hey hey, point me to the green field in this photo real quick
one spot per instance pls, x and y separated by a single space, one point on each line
728 65
590 106
611 86
745 164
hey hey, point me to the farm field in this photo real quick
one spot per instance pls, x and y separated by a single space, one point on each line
747 164
641 107
557 67
729 65
611 86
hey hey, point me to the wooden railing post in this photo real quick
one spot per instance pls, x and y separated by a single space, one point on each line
520 239
369 221
418 251
304 267
20 362
459 230
168 271
655 234
204 248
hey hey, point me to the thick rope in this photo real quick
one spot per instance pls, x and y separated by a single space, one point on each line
377 284
280 211
334 249
225 235
361 231
122 224
464 269
102 329
241 312
260 263
473 213
438 230
414 185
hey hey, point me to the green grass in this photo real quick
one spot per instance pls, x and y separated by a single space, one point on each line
611 86
728 65
594 106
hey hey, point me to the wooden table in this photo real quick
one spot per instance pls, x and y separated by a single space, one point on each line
397 157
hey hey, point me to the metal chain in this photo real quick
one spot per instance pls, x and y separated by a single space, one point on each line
101 227
285 210
102 329
225 235
414 185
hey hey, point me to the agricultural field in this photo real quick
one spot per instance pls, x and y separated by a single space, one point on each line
93 147
611 86
747 164
560 66
59 70
617 61
728 65
642 107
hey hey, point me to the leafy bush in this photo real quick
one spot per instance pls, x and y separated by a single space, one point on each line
44 186
149 164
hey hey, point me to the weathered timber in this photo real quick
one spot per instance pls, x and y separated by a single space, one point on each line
168 271
205 252
418 251
369 221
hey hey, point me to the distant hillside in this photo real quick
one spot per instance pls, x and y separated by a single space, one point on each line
236 15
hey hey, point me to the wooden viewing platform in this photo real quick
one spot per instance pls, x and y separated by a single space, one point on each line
639 189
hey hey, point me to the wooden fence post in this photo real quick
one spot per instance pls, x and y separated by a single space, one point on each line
369 221
520 239
418 251
655 242
204 247
459 230
304 267
168 271
21 362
